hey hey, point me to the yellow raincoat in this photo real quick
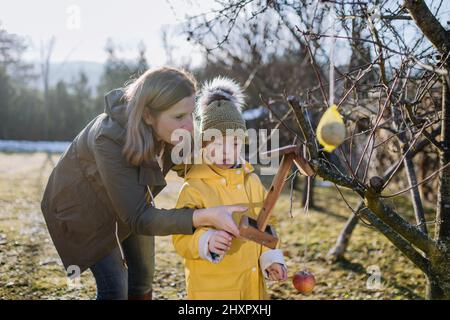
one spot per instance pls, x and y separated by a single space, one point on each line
238 275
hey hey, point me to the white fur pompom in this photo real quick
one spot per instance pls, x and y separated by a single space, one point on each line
222 86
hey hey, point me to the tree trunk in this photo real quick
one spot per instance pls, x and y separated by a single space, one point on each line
337 252
415 194
438 287
440 264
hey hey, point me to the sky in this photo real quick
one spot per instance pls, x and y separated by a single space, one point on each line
81 27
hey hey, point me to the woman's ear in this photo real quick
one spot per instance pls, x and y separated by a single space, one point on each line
147 117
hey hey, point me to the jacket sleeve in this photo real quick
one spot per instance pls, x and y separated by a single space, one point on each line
121 181
187 246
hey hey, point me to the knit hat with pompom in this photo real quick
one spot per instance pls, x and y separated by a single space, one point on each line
219 106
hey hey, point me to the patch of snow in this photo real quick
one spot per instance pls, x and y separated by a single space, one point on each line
322 183
254 113
34 146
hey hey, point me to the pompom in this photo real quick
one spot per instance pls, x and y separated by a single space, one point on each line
221 88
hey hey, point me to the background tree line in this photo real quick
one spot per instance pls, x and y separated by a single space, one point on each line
56 112
60 111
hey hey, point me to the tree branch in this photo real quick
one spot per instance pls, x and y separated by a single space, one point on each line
403 245
371 195
428 24
397 223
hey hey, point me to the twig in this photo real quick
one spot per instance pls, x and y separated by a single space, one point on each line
417 184
404 155
316 71
388 100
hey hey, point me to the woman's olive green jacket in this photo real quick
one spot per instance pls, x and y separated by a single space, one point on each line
95 199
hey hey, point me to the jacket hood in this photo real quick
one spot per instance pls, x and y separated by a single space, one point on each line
116 110
116 106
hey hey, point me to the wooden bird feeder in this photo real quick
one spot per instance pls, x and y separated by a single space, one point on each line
259 230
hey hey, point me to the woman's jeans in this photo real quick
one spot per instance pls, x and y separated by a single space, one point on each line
116 282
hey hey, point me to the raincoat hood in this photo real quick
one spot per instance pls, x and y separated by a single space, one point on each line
116 106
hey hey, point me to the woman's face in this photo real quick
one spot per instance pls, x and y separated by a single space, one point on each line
179 116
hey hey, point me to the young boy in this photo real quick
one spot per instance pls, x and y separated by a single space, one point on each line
217 266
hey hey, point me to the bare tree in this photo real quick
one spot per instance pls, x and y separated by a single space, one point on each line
394 96
46 54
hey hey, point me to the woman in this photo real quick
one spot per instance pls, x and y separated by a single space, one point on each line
98 203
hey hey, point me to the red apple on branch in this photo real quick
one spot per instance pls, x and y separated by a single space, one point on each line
304 281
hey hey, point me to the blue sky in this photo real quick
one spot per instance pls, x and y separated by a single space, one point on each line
81 27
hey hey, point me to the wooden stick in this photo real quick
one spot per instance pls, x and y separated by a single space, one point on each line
303 166
274 191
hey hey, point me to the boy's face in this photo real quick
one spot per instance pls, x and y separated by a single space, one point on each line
224 151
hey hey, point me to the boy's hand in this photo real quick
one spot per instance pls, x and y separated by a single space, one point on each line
220 242
277 272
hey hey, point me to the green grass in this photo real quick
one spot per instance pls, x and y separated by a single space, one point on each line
30 267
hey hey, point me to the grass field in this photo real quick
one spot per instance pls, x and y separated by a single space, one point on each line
30 267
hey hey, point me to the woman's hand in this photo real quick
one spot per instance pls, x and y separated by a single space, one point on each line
218 217
219 242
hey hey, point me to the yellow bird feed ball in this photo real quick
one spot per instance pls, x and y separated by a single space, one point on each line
331 129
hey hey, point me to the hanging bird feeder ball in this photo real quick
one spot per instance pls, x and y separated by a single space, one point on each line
331 129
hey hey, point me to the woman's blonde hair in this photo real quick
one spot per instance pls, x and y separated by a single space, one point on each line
154 91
